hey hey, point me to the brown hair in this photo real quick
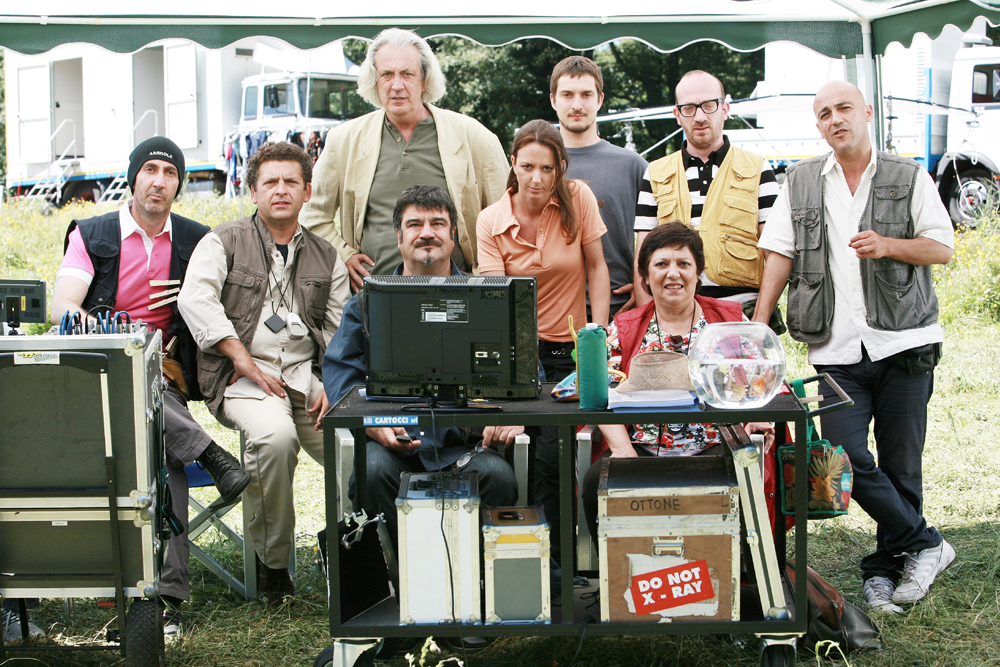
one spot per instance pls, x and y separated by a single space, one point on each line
573 67
670 235
280 151
543 132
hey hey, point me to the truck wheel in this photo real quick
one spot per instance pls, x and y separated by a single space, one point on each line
970 195
143 634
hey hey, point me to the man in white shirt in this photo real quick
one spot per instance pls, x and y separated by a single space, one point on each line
853 234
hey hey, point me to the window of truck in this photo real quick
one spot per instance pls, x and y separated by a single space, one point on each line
276 100
250 102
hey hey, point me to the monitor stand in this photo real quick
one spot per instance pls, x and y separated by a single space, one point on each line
449 400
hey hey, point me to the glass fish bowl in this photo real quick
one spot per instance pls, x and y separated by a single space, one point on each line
736 364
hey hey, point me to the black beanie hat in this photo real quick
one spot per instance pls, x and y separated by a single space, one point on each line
156 148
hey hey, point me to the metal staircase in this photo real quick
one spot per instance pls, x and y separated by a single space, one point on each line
50 185
117 190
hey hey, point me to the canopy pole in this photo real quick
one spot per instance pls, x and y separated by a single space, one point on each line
871 87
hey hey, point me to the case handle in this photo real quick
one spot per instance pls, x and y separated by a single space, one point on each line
670 546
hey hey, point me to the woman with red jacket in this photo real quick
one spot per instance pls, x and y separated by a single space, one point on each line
670 260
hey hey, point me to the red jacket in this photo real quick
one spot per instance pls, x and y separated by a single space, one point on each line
632 324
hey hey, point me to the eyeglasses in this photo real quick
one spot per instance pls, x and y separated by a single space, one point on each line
708 106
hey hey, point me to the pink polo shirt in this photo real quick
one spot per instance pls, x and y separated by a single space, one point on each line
560 269
142 260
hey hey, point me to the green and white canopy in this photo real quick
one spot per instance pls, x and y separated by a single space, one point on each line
831 27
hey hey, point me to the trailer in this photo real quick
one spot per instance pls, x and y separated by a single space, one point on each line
74 113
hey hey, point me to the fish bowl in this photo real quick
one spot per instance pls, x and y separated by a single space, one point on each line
736 365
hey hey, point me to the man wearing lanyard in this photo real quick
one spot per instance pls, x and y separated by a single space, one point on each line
263 298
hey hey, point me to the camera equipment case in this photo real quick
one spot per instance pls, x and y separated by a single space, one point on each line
669 537
432 509
516 564
82 423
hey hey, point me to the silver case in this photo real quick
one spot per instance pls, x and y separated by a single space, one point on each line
60 532
426 592
528 541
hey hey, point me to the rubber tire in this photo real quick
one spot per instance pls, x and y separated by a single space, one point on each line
958 218
143 634
777 655
325 659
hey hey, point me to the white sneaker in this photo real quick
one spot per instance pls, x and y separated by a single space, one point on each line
920 571
877 592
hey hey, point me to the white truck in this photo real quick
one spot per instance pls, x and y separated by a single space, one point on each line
941 102
75 113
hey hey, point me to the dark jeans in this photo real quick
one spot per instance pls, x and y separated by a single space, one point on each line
497 485
891 491
557 363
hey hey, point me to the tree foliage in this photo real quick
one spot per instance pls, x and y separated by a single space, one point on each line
504 87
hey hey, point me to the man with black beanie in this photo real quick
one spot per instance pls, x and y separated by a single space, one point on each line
134 260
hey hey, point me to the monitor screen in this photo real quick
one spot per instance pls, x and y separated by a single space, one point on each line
451 338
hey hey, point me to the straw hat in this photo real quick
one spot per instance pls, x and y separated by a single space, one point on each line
657 370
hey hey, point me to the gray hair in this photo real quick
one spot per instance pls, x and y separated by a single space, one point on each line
430 69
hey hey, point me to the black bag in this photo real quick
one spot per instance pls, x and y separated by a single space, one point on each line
831 617
367 564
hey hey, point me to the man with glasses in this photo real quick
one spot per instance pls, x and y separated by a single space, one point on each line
722 191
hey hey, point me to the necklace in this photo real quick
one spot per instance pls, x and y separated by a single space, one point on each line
276 323
676 342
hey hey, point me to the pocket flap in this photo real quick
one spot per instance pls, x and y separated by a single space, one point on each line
892 191
742 203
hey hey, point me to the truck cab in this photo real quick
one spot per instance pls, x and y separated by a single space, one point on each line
298 101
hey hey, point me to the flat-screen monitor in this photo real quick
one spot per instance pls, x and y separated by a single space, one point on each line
451 339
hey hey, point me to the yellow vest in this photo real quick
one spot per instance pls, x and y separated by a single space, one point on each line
729 217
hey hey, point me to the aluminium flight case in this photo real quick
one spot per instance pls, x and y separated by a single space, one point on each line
669 537
428 505
516 565
82 421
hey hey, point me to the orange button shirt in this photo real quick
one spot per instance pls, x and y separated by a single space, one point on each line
560 269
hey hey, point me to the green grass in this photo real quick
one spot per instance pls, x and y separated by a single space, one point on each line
957 625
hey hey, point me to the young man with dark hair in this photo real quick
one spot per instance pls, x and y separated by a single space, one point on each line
613 173
263 298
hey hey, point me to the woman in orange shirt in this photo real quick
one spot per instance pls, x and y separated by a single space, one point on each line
549 227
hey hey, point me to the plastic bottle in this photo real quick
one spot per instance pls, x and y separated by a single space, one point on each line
592 361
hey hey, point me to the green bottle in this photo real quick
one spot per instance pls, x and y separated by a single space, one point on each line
592 362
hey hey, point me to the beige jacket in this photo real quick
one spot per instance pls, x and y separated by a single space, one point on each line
474 162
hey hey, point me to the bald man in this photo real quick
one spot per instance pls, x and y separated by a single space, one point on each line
853 234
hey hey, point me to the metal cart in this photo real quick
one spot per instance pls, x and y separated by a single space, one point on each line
80 480
764 612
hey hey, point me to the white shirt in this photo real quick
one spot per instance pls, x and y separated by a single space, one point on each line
128 227
842 213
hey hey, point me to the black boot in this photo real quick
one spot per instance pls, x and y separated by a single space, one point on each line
274 586
229 477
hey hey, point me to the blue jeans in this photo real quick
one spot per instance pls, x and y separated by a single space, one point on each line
891 491
497 484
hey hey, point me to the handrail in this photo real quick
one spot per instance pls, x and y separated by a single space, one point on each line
156 124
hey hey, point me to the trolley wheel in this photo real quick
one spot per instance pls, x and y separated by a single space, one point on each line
143 634
329 658
777 655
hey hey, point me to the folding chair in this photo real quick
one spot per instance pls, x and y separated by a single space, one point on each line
212 515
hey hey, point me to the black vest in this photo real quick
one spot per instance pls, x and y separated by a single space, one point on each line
102 238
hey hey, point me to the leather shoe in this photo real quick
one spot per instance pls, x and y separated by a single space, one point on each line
229 477
273 585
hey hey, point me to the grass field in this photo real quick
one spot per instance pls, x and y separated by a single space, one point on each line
956 625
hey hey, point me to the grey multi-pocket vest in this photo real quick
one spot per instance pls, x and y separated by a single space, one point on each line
898 296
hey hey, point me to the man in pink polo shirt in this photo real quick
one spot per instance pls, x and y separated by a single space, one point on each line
134 260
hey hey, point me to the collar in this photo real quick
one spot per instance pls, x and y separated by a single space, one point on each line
831 163
715 157
129 226
422 123
505 219
455 271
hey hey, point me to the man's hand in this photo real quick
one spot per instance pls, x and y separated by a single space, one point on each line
386 436
766 428
869 245
320 405
245 366
626 289
356 269
500 435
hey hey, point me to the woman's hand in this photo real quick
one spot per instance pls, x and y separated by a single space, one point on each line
617 438
766 428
